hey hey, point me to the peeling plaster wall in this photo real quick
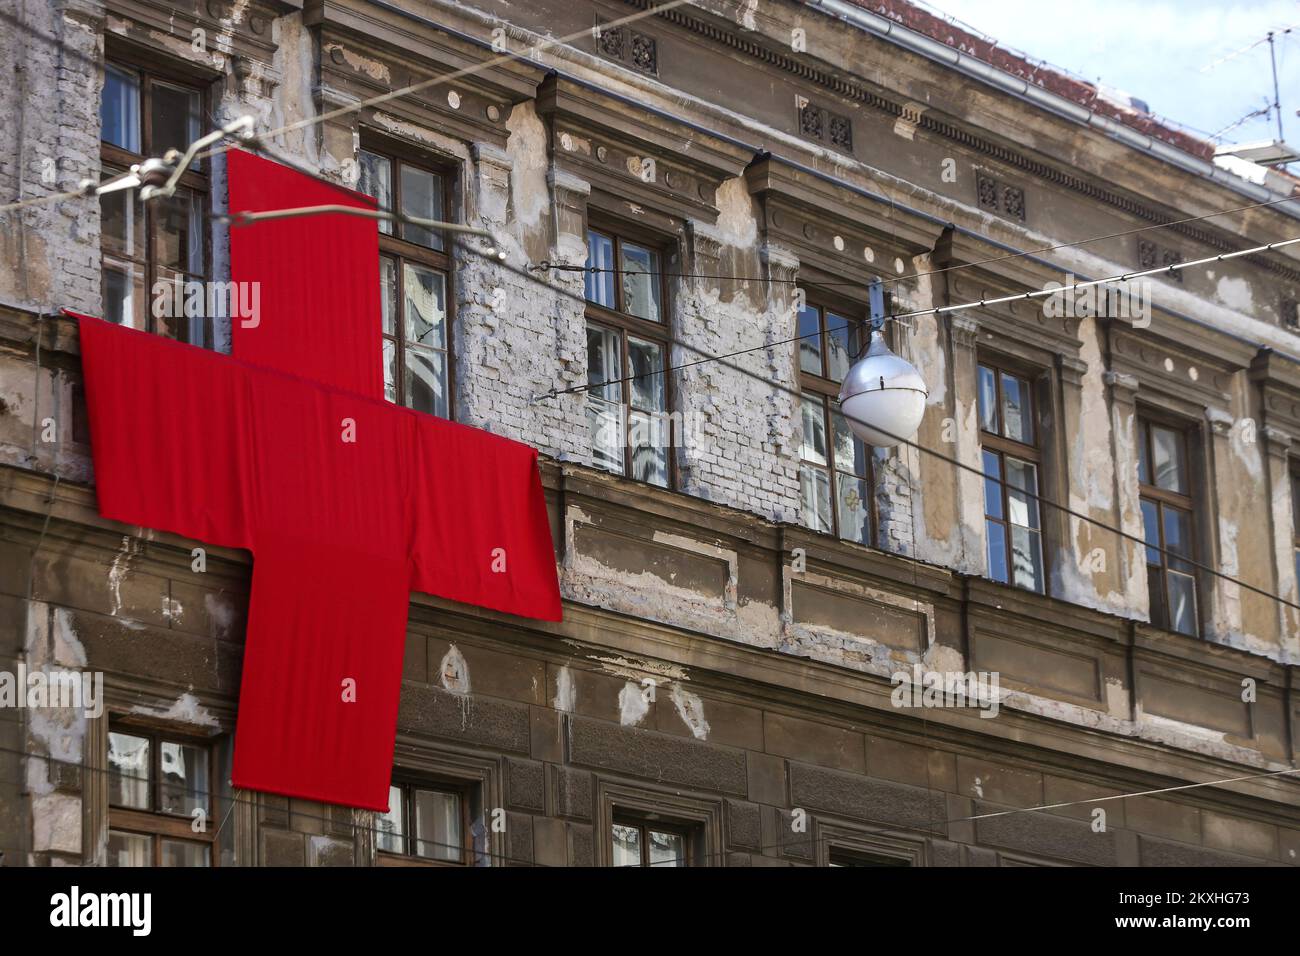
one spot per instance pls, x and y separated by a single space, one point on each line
1090 568
522 334
741 444
948 510
1243 618
48 144
899 490
36 421
55 737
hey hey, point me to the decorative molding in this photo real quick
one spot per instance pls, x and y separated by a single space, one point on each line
1072 369
702 814
487 155
841 235
569 197
781 262
419 758
995 196
150 19
1213 239
1123 387
1152 255
1021 327
964 329
94 792
907 851
906 125
1175 369
629 47
1276 441
986 192
365 51
706 246
819 124
1288 312
637 159
1221 421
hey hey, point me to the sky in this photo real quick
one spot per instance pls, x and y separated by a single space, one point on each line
1161 51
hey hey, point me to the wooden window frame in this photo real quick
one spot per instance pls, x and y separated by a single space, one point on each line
893 849
393 246
1002 446
645 823
859 336
154 823
1163 498
865 857
661 806
626 324
196 178
407 785
828 389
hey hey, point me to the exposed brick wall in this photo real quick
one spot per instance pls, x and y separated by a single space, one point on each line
521 334
50 141
742 420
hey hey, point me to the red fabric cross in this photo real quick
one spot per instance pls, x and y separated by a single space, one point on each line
347 502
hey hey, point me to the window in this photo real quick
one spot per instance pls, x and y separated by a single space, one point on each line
640 842
627 351
164 240
850 845
840 856
162 811
426 823
835 479
1010 461
1165 486
414 274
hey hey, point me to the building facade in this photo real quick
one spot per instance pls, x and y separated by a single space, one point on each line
1096 525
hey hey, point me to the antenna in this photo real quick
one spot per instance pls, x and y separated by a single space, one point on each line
1277 100
1276 153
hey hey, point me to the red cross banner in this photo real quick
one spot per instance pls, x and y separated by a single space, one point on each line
347 502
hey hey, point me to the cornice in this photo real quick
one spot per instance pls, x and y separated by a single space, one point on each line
803 68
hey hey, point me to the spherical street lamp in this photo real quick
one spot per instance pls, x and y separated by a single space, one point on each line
884 391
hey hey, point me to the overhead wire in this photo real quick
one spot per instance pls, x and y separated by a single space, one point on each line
544 265
972 469
259 145
508 56
1072 513
492 63
902 439
941 310
936 311
933 828
953 461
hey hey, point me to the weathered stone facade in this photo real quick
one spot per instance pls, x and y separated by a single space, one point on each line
720 666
